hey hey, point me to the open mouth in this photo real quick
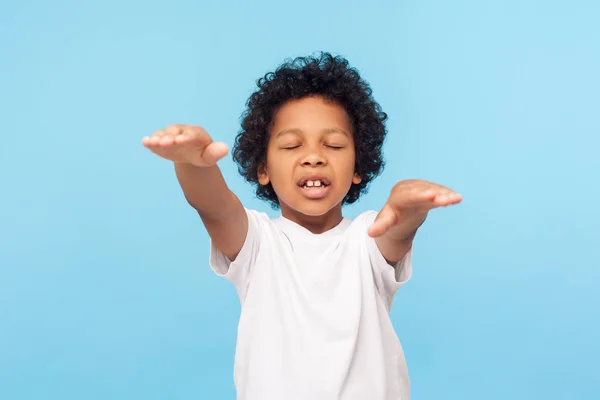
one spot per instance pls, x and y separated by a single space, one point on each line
314 184
314 188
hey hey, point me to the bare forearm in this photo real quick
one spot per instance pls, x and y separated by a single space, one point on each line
205 189
195 156
397 241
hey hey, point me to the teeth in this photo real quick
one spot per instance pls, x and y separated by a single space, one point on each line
316 183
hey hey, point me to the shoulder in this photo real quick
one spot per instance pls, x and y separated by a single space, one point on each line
259 221
258 217
364 219
356 229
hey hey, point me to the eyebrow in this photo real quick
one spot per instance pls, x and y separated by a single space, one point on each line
300 131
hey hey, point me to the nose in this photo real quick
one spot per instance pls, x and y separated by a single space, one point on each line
313 158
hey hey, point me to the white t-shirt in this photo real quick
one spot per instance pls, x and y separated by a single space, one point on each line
314 321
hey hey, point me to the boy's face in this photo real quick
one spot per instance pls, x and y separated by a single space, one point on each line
310 159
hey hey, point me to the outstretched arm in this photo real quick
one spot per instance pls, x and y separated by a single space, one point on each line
404 212
195 156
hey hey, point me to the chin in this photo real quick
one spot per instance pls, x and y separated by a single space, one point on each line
313 208
313 212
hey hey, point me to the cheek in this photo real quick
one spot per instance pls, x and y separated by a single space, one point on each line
351 163
278 166
352 170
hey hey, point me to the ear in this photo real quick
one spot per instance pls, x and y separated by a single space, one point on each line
356 179
263 176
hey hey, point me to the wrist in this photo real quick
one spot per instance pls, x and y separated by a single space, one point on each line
408 227
186 164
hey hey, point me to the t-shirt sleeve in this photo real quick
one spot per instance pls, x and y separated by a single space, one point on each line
239 271
388 278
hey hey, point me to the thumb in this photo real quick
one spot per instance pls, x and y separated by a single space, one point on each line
213 153
384 221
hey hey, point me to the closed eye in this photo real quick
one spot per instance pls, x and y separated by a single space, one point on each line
295 147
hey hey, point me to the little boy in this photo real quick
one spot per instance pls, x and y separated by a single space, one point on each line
315 287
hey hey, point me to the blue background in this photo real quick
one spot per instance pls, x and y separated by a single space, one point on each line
105 290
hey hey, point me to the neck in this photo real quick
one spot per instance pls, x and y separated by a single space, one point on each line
316 224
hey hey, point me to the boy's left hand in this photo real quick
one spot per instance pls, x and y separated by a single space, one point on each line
408 205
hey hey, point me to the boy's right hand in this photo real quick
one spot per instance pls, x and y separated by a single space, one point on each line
187 145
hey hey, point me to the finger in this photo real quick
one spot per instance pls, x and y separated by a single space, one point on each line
449 198
214 152
155 139
166 141
182 139
427 194
446 194
187 138
416 198
436 195
424 196
384 221
146 141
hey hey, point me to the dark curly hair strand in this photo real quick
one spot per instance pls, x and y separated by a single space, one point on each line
325 76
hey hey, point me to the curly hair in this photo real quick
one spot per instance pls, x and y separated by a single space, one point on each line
330 78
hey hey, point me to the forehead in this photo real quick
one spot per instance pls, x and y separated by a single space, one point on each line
311 114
